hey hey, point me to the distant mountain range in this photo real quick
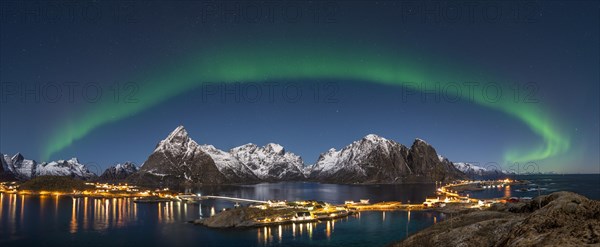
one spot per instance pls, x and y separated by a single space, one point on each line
271 162
118 172
17 167
478 171
178 160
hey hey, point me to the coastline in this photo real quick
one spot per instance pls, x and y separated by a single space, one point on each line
558 219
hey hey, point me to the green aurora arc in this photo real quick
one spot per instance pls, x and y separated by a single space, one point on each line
247 63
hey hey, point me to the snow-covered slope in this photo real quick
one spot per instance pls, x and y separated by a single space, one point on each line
371 158
374 159
127 167
119 172
178 143
178 160
5 173
71 168
229 165
475 170
468 168
24 169
270 162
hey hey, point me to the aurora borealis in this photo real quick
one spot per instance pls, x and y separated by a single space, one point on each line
170 53
270 64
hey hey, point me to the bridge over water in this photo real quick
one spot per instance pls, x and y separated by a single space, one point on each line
233 199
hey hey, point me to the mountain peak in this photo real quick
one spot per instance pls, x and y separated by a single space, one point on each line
126 165
208 147
373 137
17 157
274 147
374 159
176 140
177 133
270 162
119 172
23 169
178 160
420 141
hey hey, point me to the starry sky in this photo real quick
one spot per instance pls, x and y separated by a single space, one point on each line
513 85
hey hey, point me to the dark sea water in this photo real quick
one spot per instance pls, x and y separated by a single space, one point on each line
585 184
62 220
65 221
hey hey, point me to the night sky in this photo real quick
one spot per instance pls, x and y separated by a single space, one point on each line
511 84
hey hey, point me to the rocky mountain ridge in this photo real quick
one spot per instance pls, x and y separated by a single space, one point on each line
119 172
374 159
179 160
17 167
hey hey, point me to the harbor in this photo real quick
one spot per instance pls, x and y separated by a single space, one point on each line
450 197
246 212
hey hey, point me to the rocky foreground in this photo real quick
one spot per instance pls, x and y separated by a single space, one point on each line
558 219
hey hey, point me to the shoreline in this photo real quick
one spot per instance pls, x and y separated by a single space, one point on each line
563 218
446 200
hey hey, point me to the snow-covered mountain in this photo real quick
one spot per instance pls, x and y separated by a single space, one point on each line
473 170
270 162
468 168
230 166
178 160
23 169
5 173
20 167
361 161
374 159
71 168
119 172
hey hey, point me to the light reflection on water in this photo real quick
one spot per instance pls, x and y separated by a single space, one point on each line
1 203
507 193
84 212
103 213
274 235
73 223
26 219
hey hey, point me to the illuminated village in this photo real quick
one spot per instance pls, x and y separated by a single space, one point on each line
285 212
97 190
